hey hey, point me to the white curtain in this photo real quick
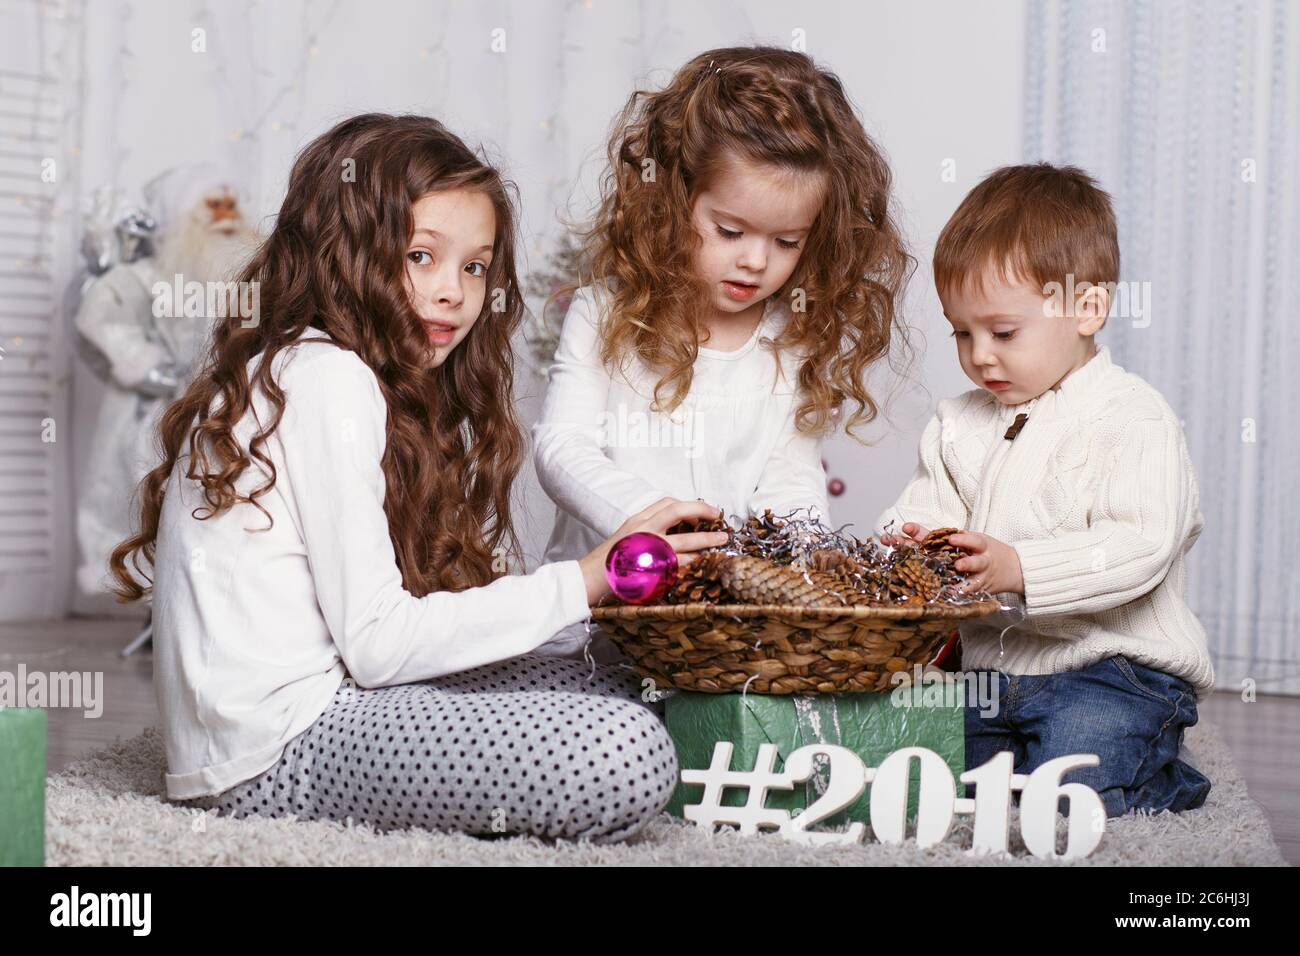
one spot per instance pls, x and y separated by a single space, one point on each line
1189 114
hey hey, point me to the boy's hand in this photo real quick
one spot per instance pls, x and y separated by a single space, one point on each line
913 533
991 565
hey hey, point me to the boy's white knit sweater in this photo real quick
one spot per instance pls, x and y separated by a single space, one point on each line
1098 497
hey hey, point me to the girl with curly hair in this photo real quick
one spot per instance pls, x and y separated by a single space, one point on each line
330 523
742 273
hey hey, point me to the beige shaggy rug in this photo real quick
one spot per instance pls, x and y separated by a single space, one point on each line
108 810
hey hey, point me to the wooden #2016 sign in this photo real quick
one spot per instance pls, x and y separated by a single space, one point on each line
937 804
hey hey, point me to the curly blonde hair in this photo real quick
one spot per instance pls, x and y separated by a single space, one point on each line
771 106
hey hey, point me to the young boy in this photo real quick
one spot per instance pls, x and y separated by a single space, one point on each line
1073 485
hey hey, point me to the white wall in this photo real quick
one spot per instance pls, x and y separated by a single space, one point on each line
934 81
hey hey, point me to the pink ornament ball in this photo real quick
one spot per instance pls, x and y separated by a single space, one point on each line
641 567
835 487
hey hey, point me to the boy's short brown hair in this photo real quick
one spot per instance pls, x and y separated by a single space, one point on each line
1037 223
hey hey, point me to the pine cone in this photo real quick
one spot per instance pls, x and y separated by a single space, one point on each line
700 582
912 582
765 538
851 579
937 545
826 559
755 532
756 581
690 525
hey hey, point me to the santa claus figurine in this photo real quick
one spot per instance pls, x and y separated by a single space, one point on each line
147 355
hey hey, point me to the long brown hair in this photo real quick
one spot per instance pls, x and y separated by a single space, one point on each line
336 261
773 106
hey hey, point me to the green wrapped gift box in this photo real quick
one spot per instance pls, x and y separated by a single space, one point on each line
22 786
871 725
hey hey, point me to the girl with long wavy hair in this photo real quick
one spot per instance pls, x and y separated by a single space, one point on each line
330 525
742 273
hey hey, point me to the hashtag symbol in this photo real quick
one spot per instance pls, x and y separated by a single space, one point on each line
710 812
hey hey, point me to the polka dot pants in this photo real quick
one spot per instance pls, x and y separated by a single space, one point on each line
532 745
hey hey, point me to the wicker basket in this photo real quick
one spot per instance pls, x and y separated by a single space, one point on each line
780 649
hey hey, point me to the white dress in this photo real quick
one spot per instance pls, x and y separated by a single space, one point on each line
602 455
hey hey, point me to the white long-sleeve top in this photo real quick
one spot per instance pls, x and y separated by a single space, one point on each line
1098 497
255 629
602 454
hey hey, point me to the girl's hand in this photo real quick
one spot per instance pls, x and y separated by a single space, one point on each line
656 519
913 533
992 565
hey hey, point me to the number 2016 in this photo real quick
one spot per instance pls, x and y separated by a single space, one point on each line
936 807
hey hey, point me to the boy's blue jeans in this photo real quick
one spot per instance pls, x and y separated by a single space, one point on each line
1130 716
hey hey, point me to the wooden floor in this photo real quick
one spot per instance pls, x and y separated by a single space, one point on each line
1262 735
